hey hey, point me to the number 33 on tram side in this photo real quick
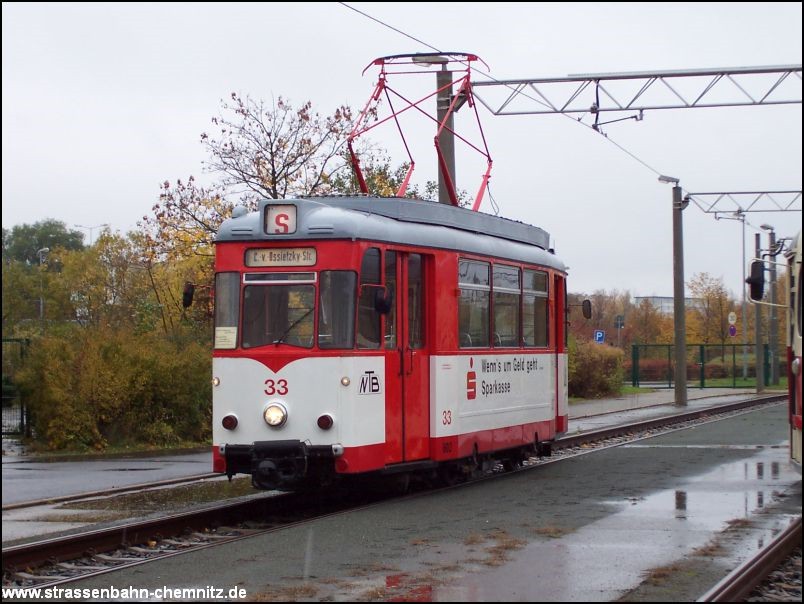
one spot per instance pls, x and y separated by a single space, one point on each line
360 336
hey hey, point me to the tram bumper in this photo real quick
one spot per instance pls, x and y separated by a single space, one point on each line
282 464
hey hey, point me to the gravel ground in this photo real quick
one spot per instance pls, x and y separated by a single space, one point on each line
783 584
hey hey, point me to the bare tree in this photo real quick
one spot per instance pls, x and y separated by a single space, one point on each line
277 150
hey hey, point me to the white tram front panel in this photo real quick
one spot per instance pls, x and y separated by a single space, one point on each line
342 387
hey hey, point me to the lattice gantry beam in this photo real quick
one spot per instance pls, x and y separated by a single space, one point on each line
642 91
742 202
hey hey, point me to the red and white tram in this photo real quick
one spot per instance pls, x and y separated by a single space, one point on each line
794 345
367 336
794 320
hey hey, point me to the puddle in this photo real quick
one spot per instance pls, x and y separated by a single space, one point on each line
613 554
600 561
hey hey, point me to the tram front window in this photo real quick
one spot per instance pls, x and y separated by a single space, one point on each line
278 314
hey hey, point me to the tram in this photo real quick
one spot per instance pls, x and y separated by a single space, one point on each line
794 320
363 336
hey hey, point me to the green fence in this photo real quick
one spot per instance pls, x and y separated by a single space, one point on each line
708 365
15 416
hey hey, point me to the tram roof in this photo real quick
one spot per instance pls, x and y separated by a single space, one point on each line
399 220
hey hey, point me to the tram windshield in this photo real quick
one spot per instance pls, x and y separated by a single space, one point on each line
279 308
278 314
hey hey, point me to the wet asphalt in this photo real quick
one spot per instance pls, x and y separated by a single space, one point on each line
664 519
28 477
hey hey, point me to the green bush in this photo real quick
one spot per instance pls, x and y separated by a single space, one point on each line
88 388
595 370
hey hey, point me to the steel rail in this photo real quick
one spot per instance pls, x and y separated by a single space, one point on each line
60 549
70 547
113 491
738 584
575 440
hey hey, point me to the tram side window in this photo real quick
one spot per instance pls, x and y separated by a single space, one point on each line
336 309
368 319
798 302
535 318
415 301
506 305
390 285
473 304
227 309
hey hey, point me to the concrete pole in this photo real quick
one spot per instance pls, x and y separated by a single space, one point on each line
774 325
758 328
446 140
679 310
744 326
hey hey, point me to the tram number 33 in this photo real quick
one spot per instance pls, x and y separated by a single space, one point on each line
276 387
446 417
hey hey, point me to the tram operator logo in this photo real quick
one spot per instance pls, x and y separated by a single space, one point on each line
471 382
370 383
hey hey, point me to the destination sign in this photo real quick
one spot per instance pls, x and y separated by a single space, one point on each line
288 256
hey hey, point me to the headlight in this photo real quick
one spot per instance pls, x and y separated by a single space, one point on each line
275 415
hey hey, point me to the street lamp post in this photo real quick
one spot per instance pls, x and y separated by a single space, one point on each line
92 228
42 253
679 319
739 215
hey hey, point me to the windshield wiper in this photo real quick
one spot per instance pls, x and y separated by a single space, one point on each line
292 325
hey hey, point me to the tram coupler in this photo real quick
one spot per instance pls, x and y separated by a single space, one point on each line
278 464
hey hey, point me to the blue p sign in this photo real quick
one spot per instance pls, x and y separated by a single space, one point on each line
600 336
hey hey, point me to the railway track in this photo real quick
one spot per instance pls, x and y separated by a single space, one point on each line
744 579
66 559
109 492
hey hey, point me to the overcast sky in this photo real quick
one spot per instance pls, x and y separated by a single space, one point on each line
103 102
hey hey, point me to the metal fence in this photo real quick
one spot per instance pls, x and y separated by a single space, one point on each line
15 413
708 365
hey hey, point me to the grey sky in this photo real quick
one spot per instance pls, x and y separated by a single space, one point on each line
101 103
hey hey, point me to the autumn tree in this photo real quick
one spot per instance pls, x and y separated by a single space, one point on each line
22 290
277 150
184 220
381 178
709 322
650 326
23 242
606 307
259 151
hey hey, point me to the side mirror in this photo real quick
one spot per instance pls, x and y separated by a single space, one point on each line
187 295
756 282
586 309
383 300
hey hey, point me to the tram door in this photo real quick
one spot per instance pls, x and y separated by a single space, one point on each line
561 333
407 360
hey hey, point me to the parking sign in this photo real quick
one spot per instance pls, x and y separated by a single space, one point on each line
600 336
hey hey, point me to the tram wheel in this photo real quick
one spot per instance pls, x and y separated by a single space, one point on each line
450 475
510 464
